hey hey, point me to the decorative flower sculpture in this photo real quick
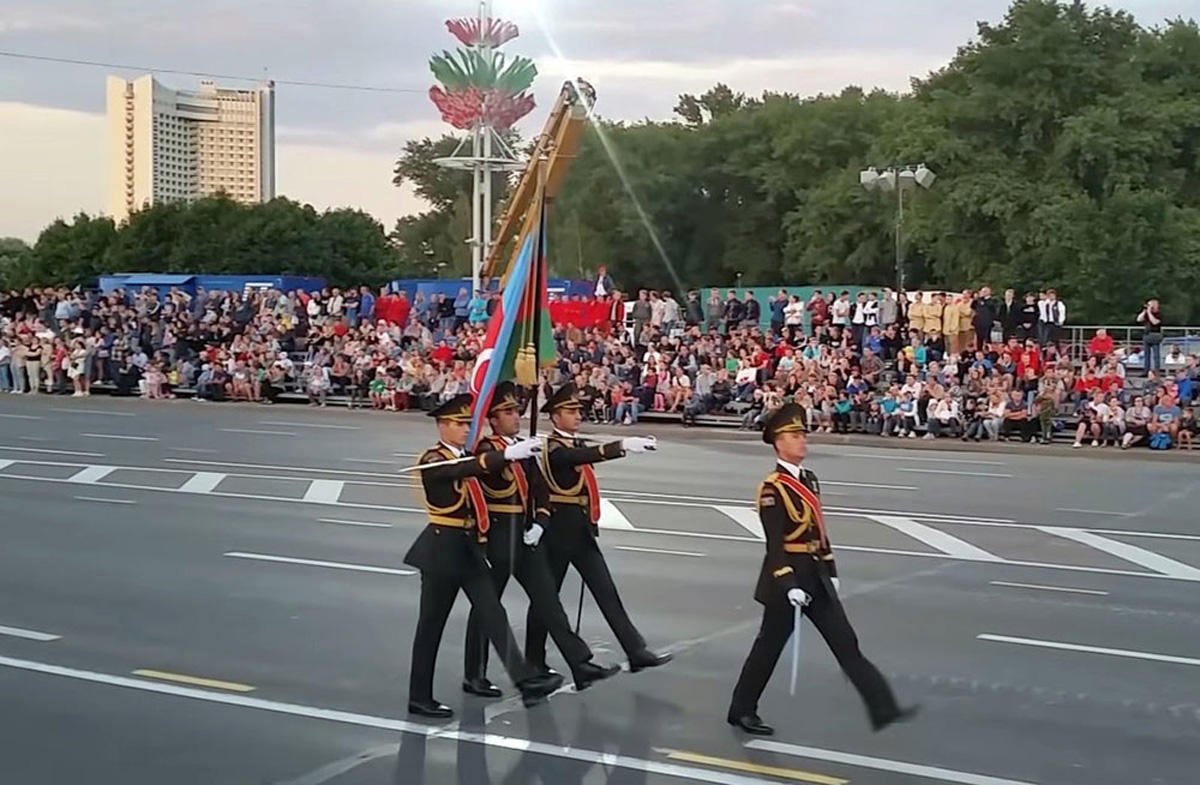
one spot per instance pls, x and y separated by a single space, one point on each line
478 84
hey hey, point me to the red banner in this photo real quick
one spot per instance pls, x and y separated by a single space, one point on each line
580 314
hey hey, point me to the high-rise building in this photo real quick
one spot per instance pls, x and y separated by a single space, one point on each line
173 145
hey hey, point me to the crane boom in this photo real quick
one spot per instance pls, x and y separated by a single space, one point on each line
557 146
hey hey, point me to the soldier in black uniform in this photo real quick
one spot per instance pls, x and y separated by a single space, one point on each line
518 501
449 555
799 571
574 517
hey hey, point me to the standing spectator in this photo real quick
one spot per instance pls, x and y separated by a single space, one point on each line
889 308
839 312
714 311
818 309
1029 319
446 314
1008 313
366 305
477 313
604 285
858 318
671 315
693 309
778 304
984 315
616 315
462 308
916 314
793 318
33 367
6 384
732 315
1052 315
641 314
751 311
1150 317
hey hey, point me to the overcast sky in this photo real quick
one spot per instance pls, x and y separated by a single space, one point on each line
336 147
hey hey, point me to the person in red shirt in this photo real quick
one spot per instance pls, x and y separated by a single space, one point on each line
1029 358
1101 344
443 354
402 307
1111 382
1085 384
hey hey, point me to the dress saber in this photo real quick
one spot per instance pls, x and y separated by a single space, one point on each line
423 466
798 617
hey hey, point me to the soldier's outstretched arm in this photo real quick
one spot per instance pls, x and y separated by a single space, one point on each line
485 463
561 456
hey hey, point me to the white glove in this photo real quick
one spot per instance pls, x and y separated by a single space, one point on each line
526 448
637 444
798 597
837 585
533 535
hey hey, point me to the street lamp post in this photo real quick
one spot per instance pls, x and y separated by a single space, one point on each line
901 177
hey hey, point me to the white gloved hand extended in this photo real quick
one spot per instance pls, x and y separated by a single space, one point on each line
533 535
798 597
837 585
526 448
636 444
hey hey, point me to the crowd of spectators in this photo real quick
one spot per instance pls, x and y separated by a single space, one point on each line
929 365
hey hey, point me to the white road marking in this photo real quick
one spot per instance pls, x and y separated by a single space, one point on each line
956 473
1154 535
45 451
1048 588
612 518
1131 553
202 482
699 535
32 635
121 437
91 474
21 417
746 517
1127 653
33 438
311 425
336 565
309 469
668 770
935 538
191 449
327 491
881 764
915 458
407 454
355 523
258 433
5 463
664 551
1092 512
369 460
104 501
103 412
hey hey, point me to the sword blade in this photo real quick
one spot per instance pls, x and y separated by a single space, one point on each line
796 648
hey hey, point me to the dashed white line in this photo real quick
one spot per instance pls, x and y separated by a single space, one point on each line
1130 553
258 433
957 473
369 460
663 551
935 538
104 501
746 517
102 412
355 523
45 451
311 425
192 449
325 491
881 764
1068 589
121 437
21 417
202 482
32 635
613 518
335 565
1059 645
1093 512
915 458
91 474
310 469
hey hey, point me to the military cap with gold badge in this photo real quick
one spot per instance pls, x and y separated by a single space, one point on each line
457 409
504 397
567 397
789 417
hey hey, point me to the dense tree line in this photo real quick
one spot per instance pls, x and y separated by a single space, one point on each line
1066 140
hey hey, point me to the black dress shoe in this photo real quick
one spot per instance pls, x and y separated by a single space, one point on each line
647 659
588 673
538 688
430 708
752 724
901 715
482 687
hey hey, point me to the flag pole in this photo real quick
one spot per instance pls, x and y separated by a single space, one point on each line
539 281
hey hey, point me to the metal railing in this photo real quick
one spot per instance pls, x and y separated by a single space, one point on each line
1129 338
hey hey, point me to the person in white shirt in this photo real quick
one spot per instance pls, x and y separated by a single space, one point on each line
840 310
1052 315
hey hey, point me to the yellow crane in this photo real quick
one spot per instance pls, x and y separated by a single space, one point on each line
556 147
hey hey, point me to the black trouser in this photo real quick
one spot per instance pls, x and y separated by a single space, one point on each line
1025 429
509 556
826 613
438 593
573 545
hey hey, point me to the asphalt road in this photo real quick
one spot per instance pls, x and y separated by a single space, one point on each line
212 594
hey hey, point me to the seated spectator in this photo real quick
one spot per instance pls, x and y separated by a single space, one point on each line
945 418
1093 413
1101 345
1167 414
1137 423
906 411
1016 420
1188 428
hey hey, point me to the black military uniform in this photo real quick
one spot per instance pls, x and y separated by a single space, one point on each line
449 557
799 557
571 536
517 496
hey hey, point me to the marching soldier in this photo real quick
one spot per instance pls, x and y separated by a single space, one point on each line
519 505
799 571
574 517
449 557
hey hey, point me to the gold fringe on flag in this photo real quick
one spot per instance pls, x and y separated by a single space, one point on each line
525 366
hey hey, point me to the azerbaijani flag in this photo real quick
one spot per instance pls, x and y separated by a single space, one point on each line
509 344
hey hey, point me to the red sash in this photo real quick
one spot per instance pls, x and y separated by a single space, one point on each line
593 492
479 503
522 481
812 500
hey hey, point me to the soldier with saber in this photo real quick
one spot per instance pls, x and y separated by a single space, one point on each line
518 502
798 574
